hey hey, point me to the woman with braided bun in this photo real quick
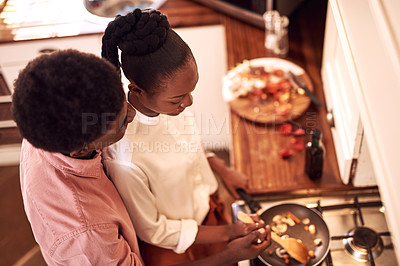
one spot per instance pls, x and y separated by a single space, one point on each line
160 167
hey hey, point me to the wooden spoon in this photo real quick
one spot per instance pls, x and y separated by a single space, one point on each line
295 249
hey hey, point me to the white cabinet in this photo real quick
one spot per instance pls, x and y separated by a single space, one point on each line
15 55
340 83
361 78
210 110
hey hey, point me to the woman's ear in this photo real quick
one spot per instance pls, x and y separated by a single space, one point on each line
135 89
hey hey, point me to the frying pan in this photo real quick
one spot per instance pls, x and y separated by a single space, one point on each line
296 231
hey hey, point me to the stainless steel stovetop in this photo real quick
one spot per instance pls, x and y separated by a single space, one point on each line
343 212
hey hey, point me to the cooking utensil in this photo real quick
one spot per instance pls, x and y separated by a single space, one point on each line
302 85
295 249
254 206
296 231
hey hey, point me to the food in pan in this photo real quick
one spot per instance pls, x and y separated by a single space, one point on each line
312 229
294 217
280 224
245 218
317 242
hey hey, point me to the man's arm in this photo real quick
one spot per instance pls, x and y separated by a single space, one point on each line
97 244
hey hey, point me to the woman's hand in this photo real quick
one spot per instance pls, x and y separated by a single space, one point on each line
240 229
225 233
248 247
242 248
232 179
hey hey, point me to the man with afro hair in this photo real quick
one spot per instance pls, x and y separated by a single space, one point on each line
68 105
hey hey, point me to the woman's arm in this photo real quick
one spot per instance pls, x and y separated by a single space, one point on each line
224 233
239 249
150 225
230 177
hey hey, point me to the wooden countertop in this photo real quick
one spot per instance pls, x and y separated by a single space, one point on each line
255 146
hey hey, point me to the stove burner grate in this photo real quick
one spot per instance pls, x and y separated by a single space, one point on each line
362 243
358 239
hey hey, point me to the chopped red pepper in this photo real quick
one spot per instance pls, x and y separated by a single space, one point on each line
285 129
299 132
285 153
297 144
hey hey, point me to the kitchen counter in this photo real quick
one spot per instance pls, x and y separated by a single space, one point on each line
254 147
36 20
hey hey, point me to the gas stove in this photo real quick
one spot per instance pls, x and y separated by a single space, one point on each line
356 222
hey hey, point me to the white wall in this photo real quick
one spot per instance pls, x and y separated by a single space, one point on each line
212 113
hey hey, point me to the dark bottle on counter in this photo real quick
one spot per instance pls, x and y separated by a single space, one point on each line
315 155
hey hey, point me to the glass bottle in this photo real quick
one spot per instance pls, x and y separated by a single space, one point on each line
315 152
270 18
276 33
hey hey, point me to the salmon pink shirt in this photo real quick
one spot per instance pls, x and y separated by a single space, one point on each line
75 212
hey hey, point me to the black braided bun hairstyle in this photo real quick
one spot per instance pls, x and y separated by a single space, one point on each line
150 50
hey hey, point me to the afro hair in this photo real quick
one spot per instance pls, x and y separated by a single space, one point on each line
60 98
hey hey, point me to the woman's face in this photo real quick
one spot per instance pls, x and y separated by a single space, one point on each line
177 93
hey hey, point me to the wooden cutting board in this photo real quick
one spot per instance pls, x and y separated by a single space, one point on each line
256 109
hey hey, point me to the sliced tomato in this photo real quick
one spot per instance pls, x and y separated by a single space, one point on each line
285 129
277 95
297 144
285 85
272 87
257 92
285 153
279 72
299 132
